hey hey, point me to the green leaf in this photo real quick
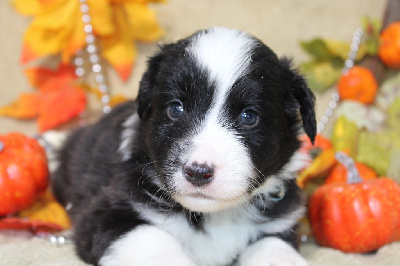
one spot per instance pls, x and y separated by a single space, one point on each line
320 75
327 61
372 28
393 115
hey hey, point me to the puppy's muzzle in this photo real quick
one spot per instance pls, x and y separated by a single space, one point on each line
199 174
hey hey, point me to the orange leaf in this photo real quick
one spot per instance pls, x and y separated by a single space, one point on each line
61 105
25 107
27 54
117 99
46 79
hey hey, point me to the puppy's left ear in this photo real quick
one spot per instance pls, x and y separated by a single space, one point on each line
305 99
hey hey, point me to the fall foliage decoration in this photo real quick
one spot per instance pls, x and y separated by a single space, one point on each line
58 28
47 209
358 84
356 216
323 157
36 227
23 172
58 98
62 27
389 48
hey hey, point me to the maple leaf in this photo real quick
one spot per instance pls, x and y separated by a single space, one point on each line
60 106
57 100
57 28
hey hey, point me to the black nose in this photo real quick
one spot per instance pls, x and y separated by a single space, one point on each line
198 174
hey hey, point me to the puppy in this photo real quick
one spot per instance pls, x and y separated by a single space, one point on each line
201 169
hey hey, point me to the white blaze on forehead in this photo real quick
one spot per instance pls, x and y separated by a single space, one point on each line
225 53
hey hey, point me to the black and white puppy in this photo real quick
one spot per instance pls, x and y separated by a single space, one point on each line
201 170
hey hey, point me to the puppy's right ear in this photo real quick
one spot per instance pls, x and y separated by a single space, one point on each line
147 83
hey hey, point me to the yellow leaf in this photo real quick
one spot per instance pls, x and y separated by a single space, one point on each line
42 42
120 55
76 41
101 17
46 209
118 48
318 168
36 7
27 7
143 22
58 18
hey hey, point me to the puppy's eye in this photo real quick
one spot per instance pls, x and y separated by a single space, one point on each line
175 110
248 118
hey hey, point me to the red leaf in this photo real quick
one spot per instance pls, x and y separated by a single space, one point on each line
61 105
13 223
46 79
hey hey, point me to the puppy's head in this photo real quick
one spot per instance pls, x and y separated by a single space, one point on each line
222 114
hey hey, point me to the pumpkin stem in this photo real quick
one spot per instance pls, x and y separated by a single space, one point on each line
353 176
1 145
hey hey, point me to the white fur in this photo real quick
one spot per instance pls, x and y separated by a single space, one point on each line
226 233
217 146
271 251
127 135
225 53
146 246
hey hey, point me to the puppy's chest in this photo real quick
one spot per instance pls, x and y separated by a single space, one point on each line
217 241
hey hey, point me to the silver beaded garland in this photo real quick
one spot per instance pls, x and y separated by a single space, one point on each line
349 63
94 58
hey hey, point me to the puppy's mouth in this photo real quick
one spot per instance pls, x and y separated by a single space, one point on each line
201 202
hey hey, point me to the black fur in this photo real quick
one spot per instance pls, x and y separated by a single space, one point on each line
102 187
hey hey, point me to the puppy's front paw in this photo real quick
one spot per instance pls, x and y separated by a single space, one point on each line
271 251
146 246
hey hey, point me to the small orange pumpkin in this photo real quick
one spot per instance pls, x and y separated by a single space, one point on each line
23 172
357 216
358 84
389 48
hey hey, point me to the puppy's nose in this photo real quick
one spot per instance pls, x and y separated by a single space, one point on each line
198 174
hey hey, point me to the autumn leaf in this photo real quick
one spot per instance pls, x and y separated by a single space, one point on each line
327 61
321 75
46 79
57 100
47 209
37 227
25 107
57 28
114 100
60 106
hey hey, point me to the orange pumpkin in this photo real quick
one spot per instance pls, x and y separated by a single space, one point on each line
358 84
23 172
339 173
358 216
389 48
